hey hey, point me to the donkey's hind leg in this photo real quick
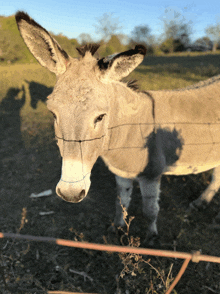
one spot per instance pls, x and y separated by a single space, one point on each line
150 191
124 191
210 191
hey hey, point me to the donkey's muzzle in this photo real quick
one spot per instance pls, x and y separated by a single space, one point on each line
73 191
75 181
70 198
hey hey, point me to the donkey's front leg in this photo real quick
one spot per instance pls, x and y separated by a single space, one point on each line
150 190
124 191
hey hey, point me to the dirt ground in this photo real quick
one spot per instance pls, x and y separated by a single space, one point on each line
36 267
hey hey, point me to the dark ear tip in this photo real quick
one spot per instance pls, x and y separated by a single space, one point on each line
141 49
22 15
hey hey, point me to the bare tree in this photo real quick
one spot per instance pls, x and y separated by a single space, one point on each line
204 43
107 25
84 39
141 34
176 26
214 33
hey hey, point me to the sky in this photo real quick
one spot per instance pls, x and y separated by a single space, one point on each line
71 17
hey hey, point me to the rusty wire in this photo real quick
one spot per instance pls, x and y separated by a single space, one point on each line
194 256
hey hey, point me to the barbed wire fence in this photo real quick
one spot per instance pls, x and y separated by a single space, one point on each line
195 256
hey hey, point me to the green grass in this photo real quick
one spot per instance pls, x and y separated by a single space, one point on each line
14 76
156 72
23 89
176 70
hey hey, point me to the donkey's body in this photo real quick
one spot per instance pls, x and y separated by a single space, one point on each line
139 135
193 112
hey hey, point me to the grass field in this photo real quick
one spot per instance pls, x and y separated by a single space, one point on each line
156 72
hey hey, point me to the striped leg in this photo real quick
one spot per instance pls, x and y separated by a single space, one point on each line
150 191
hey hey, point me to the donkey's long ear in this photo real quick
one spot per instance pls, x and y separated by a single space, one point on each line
118 66
41 44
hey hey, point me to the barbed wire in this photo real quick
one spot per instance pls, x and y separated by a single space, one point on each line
195 256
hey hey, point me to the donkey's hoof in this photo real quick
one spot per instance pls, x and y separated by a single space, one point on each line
152 241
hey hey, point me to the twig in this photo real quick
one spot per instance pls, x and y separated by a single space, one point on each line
155 270
42 194
167 280
182 270
81 274
46 212
210 289
23 219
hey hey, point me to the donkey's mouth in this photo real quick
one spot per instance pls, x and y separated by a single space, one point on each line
75 181
70 198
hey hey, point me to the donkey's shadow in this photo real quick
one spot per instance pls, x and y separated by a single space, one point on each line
10 127
38 92
10 112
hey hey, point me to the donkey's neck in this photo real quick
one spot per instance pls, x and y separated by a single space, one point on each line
130 107
131 122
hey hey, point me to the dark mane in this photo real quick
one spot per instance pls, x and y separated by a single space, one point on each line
133 85
92 48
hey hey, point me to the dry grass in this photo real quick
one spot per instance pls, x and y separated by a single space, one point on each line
135 267
165 72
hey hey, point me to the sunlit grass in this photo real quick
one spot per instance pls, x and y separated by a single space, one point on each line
15 75
156 72
35 121
176 71
167 77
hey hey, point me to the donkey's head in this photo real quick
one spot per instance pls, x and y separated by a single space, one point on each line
80 102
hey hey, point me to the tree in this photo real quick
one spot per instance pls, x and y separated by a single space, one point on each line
115 43
204 43
74 42
141 34
176 26
107 25
85 39
214 33
66 43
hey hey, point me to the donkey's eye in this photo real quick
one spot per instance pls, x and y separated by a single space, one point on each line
99 118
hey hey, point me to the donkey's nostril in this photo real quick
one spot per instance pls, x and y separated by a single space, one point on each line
69 197
58 192
82 194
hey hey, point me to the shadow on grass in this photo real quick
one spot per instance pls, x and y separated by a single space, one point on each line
10 114
38 92
10 126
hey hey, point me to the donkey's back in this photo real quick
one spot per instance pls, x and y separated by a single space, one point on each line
195 114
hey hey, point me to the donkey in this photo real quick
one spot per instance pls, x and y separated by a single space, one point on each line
139 135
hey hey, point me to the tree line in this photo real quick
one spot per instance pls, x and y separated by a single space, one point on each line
175 37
